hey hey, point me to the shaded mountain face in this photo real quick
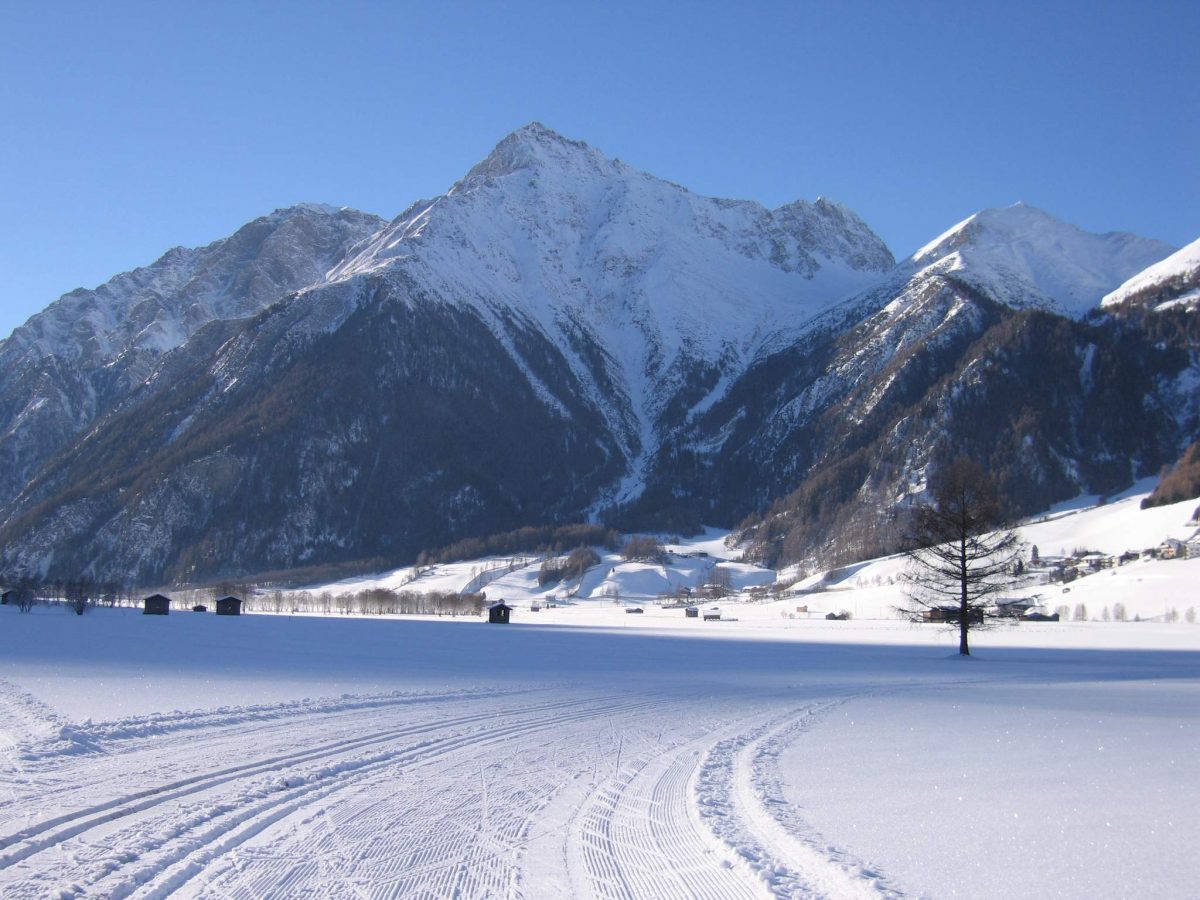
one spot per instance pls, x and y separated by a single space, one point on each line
90 350
559 337
837 433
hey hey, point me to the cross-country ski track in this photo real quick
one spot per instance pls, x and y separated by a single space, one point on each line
271 757
525 793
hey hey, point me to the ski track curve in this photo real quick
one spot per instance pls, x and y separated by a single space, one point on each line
637 836
739 796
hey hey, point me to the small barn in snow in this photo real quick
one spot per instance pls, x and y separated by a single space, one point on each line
229 606
499 612
156 605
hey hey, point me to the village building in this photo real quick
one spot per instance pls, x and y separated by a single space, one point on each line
1012 607
952 614
499 613
1170 549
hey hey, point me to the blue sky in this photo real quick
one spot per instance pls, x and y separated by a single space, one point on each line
133 127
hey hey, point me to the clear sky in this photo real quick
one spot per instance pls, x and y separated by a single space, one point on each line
129 128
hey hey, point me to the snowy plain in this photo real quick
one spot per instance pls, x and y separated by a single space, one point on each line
586 752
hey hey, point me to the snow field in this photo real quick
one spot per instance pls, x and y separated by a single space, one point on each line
585 752
400 758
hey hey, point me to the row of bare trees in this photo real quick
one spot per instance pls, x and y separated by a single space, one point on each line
77 595
367 602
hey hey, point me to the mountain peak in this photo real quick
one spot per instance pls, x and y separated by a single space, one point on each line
1023 256
534 146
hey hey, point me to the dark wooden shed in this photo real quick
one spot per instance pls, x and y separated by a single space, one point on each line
499 613
951 615
7 597
156 605
229 606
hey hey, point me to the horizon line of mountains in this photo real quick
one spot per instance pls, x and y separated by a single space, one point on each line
561 338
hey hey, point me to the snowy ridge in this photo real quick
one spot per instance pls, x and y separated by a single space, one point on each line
1024 257
555 233
159 306
1177 277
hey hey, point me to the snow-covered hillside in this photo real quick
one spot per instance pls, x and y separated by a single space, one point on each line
1023 257
871 590
1175 281
1152 589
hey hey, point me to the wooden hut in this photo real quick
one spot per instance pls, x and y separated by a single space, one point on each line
7 597
499 612
156 605
229 606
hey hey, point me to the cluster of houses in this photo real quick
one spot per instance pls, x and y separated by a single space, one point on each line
1065 569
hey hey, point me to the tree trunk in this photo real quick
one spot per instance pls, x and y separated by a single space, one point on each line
964 622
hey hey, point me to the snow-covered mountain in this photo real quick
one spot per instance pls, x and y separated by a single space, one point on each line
1024 257
1173 282
557 337
641 284
85 353
973 345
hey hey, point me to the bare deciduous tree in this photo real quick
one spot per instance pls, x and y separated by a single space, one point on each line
79 594
959 557
27 596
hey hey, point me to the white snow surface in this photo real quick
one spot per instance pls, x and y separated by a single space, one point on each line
586 752
1182 264
1025 257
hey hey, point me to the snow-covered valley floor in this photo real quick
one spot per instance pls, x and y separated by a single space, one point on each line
353 757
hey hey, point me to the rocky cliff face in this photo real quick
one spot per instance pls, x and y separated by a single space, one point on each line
560 336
